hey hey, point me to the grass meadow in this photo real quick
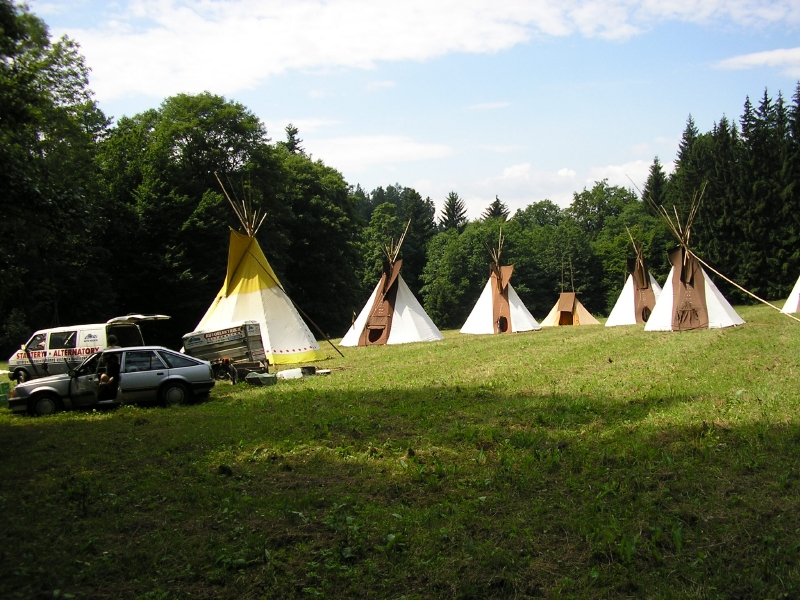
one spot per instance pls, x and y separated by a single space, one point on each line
566 463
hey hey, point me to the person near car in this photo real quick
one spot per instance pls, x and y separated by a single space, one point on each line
109 381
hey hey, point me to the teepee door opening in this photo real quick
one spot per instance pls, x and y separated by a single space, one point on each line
566 302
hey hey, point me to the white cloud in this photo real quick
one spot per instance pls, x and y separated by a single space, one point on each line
161 47
636 170
786 58
518 186
489 105
358 153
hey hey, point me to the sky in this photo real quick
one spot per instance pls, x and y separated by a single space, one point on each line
521 100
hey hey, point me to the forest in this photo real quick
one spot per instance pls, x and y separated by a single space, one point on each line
103 218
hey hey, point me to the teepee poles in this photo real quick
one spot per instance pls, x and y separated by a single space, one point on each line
391 250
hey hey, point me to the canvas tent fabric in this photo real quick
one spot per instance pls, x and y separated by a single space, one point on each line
392 315
690 300
568 310
792 304
499 308
635 304
252 292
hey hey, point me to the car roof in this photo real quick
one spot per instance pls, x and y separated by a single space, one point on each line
106 350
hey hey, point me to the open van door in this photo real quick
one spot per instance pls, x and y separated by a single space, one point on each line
127 330
136 318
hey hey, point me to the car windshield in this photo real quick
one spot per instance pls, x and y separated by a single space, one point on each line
89 365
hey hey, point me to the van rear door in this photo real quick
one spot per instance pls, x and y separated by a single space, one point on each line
126 328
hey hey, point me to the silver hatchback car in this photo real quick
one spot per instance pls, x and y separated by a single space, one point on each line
117 376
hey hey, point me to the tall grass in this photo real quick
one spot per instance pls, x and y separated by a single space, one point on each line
571 462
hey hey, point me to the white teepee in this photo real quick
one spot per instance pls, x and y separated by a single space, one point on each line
392 315
792 304
692 302
499 308
689 300
624 311
252 292
638 298
481 319
409 323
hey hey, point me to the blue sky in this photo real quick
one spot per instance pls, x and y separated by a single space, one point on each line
525 100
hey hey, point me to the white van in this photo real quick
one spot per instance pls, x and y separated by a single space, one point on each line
57 350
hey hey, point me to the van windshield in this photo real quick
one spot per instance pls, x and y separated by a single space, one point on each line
36 342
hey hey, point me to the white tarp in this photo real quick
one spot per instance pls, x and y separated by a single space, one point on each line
624 311
410 322
481 319
792 304
720 312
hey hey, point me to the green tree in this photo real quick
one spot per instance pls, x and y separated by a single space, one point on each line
591 208
540 214
454 213
293 141
49 127
323 255
496 210
654 193
384 226
168 230
420 213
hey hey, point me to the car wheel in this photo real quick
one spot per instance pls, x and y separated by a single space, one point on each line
174 394
22 376
44 404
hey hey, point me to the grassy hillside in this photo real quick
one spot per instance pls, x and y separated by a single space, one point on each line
571 462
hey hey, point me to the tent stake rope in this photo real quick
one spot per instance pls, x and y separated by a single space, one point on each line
741 288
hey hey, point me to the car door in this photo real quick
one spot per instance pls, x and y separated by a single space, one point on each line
142 374
83 385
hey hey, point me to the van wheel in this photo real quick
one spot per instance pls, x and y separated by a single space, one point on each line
174 394
22 376
44 404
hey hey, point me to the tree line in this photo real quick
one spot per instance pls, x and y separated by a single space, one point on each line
102 219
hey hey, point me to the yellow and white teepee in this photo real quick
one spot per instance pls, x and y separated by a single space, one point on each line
252 292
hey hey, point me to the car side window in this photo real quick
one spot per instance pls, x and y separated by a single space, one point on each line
62 340
176 361
141 360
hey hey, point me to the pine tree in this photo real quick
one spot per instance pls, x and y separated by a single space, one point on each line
496 210
454 213
292 143
687 179
655 188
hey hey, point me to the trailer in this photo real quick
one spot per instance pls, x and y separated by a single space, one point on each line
233 352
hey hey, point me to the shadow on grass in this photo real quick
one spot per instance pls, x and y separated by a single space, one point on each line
464 492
